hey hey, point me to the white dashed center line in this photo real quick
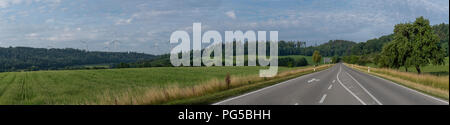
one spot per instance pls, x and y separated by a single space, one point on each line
323 98
330 87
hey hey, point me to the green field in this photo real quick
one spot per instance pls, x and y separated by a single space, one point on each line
432 69
439 70
86 86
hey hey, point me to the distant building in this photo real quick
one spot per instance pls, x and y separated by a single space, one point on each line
326 60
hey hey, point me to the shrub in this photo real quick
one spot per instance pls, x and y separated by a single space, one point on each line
302 62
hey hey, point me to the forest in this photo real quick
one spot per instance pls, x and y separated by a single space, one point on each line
26 58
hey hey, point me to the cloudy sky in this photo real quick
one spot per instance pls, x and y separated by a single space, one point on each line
146 25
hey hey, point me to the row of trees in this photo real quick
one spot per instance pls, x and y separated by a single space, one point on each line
25 58
360 60
292 62
331 48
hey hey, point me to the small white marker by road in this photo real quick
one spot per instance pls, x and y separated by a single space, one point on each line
323 98
330 87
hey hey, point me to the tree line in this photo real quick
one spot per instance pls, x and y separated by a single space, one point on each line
26 58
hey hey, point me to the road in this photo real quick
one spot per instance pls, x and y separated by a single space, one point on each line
338 85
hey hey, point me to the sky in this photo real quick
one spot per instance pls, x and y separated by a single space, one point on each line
146 25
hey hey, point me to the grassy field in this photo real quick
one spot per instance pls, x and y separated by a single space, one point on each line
100 86
441 70
438 70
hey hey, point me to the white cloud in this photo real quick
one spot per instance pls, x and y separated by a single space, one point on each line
124 21
231 14
3 4
7 3
50 20
62 37
143 15
32 35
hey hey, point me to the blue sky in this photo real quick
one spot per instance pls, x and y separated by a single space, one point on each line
146 25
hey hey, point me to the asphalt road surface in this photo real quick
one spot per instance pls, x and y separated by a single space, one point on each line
338 85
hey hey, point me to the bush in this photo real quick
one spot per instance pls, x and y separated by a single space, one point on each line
302 62
123 65
287 61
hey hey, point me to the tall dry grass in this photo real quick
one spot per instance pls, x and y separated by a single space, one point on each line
164 94
437 85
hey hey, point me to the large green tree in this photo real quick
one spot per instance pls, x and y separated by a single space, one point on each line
425 46
414 44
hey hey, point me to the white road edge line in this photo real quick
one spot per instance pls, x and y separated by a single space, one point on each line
337 76
373 97
426 95
330 86
323 98
259 90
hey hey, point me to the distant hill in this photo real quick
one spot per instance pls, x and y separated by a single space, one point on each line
371 46
331 48
335 48
26 58
376 45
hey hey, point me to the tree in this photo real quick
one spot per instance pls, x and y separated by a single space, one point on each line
425 46
414 44
316 57
396 52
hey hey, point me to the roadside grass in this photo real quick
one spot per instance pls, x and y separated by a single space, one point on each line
427 83
204 93
221 95
122 86
437 70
